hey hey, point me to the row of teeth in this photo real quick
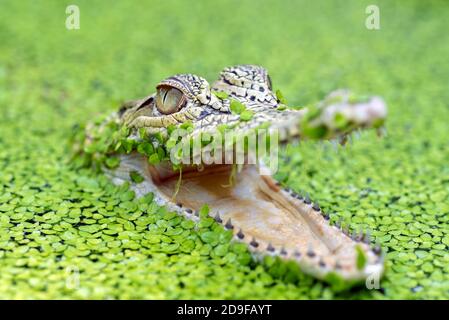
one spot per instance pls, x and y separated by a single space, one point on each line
256 245
361 236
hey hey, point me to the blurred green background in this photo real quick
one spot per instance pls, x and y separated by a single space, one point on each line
67 233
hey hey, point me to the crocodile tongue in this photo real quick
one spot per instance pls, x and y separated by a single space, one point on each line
270 219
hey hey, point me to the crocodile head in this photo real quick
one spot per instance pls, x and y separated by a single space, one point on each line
235 183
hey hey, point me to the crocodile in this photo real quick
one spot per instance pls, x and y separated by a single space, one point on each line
137 144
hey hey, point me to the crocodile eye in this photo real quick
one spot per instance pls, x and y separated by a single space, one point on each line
270 84
169 100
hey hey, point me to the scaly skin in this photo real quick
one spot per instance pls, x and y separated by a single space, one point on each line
270 219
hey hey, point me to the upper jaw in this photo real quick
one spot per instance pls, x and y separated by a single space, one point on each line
337 115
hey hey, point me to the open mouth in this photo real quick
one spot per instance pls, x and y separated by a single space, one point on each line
270 219
170 138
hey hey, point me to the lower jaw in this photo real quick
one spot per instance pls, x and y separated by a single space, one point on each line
269 219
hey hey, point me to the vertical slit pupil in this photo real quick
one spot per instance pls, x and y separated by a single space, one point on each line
168 99
165 96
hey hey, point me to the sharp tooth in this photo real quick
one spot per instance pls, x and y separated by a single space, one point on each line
316 207
240 234
335 145
307 199
367 237
283 251
360 236
326 216
189 211
338 224
297 254
310 252
377 249
254 243
346 230
322 263
381 132
350 140
229 225
270 247
218 218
